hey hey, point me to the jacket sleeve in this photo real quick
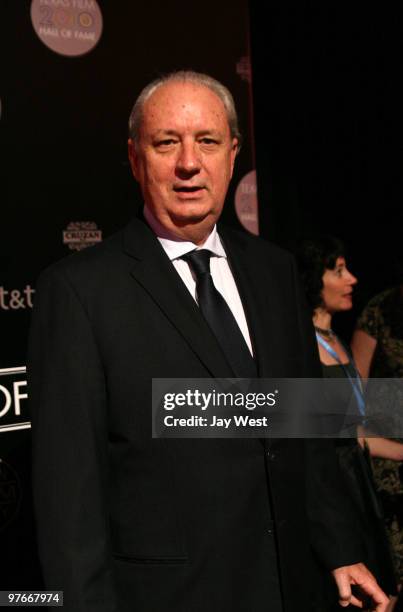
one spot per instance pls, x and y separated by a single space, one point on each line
69 427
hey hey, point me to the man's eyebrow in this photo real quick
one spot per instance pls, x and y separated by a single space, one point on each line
170 132
210 132
162 132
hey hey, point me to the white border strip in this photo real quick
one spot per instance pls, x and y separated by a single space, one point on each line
19 370
15 426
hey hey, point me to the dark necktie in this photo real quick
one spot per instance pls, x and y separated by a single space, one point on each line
219 316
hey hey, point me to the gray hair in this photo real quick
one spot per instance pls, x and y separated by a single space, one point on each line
185 76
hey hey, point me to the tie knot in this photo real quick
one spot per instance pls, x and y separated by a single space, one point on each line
199 261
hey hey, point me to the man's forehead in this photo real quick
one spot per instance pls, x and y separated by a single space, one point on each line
180 93
179 102
176 88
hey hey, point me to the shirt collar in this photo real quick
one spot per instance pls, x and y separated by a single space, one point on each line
176 247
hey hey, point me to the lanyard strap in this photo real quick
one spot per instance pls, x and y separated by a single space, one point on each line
355 381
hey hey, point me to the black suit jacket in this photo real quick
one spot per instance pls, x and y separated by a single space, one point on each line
127 522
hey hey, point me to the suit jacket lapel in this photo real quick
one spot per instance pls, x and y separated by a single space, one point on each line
153 270
247 271
248 274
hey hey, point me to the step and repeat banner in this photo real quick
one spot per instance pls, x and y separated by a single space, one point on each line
73 71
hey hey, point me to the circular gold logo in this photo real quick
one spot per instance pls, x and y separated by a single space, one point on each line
246 205
68 27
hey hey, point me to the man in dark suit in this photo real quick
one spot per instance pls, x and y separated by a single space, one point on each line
131 523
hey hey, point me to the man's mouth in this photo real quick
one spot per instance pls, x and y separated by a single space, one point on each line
187 188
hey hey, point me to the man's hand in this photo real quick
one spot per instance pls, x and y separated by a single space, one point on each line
359 575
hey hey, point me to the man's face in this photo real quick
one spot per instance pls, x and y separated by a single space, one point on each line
184 157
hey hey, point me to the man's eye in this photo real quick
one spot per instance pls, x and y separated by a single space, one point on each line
208 141
166 142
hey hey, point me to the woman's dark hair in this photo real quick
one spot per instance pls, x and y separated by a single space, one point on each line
314 257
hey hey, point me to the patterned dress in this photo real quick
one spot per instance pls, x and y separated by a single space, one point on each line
382 319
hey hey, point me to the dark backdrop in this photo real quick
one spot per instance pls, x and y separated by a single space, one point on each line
327 101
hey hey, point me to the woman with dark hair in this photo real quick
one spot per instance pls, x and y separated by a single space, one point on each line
329 288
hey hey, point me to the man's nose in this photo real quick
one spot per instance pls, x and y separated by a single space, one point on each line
188 161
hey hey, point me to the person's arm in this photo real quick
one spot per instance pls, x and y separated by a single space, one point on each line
69 415
381 447
335 533
363 348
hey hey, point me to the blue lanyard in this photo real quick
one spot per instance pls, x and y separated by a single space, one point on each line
355 381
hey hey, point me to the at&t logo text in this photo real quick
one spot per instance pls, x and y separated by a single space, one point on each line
16 299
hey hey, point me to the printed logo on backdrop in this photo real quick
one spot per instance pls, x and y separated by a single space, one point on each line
68 27
246 205
16 299
13 396
10 494
81 234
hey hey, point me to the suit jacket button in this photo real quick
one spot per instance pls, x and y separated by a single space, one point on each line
270 528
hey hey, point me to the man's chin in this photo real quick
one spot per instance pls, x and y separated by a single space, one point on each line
189 217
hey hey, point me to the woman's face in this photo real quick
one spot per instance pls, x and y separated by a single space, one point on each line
338 287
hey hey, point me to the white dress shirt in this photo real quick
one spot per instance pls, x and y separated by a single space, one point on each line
220 270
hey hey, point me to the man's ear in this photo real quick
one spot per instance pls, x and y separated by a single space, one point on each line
133 157
234 152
